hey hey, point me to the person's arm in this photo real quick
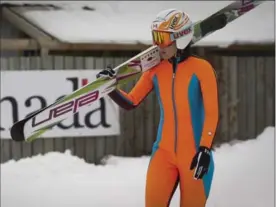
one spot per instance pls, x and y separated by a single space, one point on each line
208 82
131 100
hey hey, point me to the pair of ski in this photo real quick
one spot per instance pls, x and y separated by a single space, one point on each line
38 123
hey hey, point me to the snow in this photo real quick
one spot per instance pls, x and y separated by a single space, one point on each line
129 21
244 176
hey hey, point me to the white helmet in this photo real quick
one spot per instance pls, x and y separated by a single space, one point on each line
171 25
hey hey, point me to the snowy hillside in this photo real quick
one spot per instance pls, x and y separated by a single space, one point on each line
129 21
244 177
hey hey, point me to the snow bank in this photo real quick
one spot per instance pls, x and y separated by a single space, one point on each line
129 21
243 177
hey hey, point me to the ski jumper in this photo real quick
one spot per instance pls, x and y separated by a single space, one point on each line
188 100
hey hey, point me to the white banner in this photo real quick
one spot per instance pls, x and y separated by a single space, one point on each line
23 92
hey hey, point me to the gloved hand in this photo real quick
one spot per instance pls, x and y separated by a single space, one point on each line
201 162
106 73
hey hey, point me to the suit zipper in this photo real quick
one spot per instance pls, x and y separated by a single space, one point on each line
175 113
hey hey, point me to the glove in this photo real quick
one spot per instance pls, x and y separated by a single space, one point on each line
201 162
106 73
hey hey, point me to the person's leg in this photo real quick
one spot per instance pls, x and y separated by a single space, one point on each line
162 179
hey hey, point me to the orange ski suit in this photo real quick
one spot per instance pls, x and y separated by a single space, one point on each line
188 99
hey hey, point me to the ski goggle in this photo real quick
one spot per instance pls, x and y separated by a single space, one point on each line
161 39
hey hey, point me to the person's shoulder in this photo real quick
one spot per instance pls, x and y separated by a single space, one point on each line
200 61
161 64
203 65
152 71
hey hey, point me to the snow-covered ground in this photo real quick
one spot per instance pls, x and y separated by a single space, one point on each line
129 21
244 177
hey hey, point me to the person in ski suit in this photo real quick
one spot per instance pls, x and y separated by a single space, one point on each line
186 88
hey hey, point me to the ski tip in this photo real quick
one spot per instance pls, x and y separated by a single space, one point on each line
17 131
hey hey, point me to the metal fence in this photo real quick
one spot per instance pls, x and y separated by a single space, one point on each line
247 106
